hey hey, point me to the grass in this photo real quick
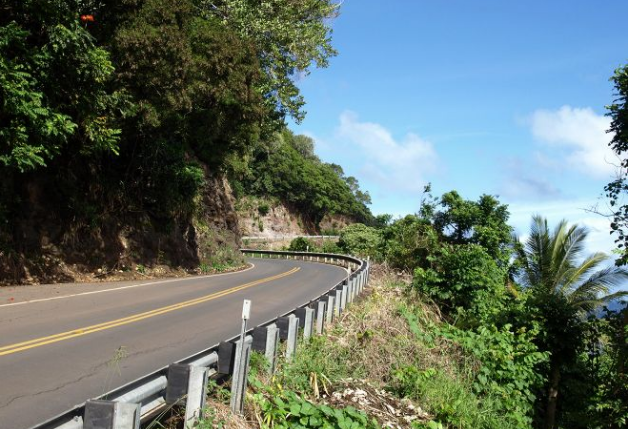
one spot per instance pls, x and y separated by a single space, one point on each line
376 344
380 355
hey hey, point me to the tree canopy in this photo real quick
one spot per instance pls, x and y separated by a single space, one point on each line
616 190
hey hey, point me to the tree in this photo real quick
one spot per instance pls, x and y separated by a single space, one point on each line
407 242
289 36
53 86
564 286
615 190
466 282
481 222
359 239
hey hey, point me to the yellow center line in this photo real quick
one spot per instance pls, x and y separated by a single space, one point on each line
38 342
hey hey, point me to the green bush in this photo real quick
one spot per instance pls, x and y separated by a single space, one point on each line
466 281
284 409
408 242
300 244
263 209
361 240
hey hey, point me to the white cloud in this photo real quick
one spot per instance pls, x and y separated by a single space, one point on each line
574 211
581 133
520 182
398 165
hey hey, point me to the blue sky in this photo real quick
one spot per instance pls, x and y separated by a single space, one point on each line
498 97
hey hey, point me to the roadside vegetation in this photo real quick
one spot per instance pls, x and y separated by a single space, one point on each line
464 327
120 122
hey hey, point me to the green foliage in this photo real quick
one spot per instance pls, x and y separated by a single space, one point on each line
289 36
329 246
553 263
193 79
288 170
301 244
53 86
286 410
466 282
509 367
597 385
450 399
409 242
617 189
481 222
281 406
563 288
359 239
263 209
499 375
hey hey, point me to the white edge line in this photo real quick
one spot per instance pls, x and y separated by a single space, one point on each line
127 287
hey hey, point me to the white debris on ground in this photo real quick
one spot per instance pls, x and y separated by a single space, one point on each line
390 412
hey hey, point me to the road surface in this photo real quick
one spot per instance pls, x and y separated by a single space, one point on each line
68 343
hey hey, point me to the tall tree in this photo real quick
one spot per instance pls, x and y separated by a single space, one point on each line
617 189
565 286
290 36
481 222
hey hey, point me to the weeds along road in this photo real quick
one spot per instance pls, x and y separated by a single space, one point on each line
74 342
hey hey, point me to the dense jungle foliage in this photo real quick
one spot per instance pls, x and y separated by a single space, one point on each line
617 189
121 115
288 169
532 313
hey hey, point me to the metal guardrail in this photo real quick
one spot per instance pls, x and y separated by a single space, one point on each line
183 382
288 237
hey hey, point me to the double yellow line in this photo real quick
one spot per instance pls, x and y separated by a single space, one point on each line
38 342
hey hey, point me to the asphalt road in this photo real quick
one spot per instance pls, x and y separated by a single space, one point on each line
73 342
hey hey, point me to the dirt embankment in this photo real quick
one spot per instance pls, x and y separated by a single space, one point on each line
44 246
268 218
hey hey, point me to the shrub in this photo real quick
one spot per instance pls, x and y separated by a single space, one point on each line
359 239
263 209
466 282
300 244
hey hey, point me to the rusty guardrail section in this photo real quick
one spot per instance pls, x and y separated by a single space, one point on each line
183 383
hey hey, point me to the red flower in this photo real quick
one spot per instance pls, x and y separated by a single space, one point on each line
87 18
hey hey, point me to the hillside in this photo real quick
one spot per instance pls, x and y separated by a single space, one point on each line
122 125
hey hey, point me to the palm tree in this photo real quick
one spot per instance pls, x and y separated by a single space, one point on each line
566 286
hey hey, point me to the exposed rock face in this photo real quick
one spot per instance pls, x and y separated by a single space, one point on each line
273 220
44 246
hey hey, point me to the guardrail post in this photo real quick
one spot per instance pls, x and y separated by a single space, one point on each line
111 415
291 341
266 339
309 323
187 384
337 300
343 302
320 317
272 341
329 317
300 314
240 374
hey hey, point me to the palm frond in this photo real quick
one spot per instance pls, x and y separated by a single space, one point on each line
537 251
571 279
568 245
598 286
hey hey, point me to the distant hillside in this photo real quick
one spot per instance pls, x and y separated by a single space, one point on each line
286 171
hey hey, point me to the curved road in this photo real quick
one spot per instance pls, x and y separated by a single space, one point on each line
73 342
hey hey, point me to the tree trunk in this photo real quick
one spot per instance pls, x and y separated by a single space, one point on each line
552 397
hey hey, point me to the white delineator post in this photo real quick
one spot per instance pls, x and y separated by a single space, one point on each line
238 381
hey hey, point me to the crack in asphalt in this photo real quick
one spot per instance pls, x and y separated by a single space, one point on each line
55 389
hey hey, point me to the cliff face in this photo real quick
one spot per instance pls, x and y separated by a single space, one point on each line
271 219
45 244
